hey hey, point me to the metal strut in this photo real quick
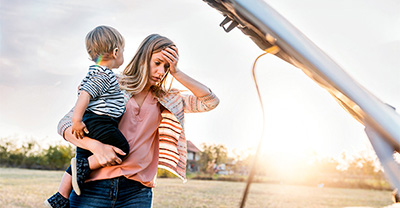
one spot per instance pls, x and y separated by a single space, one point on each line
231 26
271 50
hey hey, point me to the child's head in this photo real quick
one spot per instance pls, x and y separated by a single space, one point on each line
102 41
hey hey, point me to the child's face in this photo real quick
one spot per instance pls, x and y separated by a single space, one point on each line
158 66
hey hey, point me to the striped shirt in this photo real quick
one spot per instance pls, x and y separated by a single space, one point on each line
103 88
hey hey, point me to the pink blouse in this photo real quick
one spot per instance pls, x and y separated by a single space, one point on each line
140 128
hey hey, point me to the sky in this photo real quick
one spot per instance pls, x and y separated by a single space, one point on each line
43 59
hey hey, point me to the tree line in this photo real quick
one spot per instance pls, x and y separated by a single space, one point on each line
360 171
31 155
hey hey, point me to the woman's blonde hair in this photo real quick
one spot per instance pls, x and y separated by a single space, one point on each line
101 41
136 74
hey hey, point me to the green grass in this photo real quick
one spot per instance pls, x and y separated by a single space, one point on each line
29 188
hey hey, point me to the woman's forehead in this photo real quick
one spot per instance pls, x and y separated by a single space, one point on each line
157 55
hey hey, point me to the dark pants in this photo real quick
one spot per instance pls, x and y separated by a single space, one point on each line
104 129
117 192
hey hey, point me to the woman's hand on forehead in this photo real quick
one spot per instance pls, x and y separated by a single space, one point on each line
171 55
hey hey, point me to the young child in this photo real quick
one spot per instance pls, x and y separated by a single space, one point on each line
97 111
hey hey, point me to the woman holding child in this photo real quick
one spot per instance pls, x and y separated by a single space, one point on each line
153 125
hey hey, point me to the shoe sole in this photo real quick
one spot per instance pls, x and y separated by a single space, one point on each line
47 204
75 185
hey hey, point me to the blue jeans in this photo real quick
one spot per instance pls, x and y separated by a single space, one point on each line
113 193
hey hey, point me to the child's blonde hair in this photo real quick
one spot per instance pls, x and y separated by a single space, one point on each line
101 41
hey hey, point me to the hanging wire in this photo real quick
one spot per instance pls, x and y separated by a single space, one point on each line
272 50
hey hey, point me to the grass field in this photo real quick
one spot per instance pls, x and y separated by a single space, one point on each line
29 188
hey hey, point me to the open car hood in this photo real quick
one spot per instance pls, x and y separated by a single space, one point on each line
273 33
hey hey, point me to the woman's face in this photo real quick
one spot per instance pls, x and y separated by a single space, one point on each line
158 66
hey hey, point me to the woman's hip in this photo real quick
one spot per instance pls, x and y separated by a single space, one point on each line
113 193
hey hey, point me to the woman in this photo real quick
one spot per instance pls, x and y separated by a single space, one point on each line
152 124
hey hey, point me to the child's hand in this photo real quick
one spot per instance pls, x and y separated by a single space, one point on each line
79 129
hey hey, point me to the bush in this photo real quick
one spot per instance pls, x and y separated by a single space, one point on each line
162 173
59 156
31 155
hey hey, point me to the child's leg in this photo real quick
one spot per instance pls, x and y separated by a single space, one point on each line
80 170
60 199
65 187
104 129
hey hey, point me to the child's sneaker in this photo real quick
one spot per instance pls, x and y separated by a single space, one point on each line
80 172
57 201
396 196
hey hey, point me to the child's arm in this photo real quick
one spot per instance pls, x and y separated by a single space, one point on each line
78 127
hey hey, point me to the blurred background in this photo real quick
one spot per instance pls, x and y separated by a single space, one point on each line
43 59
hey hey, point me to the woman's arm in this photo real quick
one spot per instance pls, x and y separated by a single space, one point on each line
104 153
204 99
